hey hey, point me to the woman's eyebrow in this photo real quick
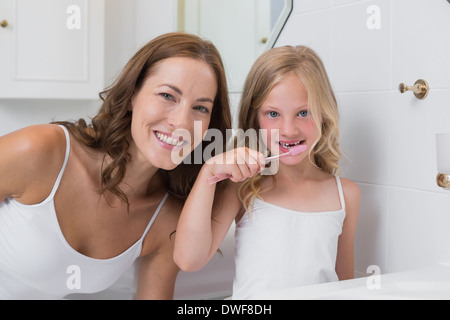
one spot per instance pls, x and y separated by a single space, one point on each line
174 88
206 100
178 90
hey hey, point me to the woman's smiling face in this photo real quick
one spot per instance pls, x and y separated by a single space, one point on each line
286 110
178 93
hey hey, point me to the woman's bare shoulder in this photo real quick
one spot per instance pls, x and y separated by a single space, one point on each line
34 140
30 158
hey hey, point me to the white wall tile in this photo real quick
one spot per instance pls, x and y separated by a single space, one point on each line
421 42
418 229
361 56
302 6
365 136
372 230
338 3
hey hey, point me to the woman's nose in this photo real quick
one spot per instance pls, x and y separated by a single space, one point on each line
179 117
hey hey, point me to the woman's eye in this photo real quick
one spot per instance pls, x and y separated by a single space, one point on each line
303 113
202 109
272 114
167 96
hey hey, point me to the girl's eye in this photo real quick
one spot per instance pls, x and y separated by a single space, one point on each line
272 114
303 113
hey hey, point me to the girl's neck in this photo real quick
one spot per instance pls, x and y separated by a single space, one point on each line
294 173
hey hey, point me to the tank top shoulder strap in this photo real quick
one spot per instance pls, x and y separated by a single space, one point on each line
341 192
155 215
66 158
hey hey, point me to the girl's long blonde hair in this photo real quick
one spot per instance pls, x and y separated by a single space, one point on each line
268 70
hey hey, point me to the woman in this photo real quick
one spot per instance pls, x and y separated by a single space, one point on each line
80 203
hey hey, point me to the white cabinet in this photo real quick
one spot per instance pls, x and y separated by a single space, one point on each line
52 49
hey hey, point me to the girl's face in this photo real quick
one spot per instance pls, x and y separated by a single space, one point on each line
179 92
286 110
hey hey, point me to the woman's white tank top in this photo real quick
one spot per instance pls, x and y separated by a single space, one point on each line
278 248
36 261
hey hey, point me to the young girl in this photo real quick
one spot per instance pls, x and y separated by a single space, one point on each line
295 227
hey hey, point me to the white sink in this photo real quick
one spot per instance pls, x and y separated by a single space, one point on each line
426 283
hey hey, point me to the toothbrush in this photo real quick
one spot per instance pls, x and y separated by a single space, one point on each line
292 152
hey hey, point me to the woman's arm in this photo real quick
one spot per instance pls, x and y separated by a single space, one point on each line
157 275
157 270
345 255
207 215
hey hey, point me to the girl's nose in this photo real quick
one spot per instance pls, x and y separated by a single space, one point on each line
289 128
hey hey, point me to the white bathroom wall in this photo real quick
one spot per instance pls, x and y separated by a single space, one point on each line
369 47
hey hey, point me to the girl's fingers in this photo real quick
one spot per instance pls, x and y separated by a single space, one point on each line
249 162
256 162
240 164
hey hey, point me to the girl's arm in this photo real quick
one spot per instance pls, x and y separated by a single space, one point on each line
207 215
345 255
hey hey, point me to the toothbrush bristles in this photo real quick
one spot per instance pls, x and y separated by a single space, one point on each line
297 150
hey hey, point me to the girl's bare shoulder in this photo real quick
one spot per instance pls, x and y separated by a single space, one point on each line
351 189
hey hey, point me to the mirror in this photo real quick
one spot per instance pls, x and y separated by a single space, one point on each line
241 30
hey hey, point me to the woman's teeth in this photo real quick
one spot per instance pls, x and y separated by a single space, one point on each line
290 145
169 140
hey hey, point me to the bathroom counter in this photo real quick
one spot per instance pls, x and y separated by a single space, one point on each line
422 284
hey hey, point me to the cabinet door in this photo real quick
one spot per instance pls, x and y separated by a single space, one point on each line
52 49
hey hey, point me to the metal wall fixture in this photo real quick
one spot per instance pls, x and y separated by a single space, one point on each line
443 180
443 160
420 88
3 23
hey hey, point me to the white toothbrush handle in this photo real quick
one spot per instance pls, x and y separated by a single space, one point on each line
276 157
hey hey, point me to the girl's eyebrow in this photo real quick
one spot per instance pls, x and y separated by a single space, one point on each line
269 106
178 90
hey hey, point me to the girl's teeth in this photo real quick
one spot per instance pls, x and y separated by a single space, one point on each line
169 140
288 146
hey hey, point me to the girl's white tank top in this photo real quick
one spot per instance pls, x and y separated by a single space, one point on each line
278 248
36 261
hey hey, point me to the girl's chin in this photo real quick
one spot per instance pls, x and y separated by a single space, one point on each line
290 161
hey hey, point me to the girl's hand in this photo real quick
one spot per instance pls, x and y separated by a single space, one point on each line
238 164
